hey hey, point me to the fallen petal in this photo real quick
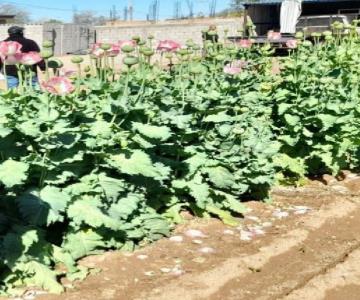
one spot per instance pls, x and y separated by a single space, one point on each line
142 257
193 233
177 239
267 224
207 250
150 273
177 272
199 260
253 218
165 270
198 242
229 232
246 235
257 230
280 214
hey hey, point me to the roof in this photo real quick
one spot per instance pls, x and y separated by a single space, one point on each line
7 16
273 2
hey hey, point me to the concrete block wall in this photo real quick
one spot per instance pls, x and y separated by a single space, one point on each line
34 32
69 38
179 32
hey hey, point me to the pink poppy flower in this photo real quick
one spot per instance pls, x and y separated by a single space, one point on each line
29 59
9 48
235 67
67 73
240 63
126 43
292 44
273 35
59 86
11 60
168 46
114 50
97 51
231 70
245 43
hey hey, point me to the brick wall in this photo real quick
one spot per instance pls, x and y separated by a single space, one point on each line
180 31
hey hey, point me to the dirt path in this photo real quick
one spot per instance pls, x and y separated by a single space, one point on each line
304 246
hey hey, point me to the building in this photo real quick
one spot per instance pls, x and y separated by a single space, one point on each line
7 19
265 14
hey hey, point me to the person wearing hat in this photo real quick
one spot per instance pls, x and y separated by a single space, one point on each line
16 34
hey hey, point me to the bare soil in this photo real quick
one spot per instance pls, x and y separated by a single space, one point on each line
303 254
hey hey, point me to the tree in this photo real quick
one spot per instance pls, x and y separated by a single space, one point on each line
21 16
238 4
89 18
52 21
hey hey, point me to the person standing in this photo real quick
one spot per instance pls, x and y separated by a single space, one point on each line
289 16
16 34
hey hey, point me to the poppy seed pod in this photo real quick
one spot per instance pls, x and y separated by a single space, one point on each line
46 53
212 33
105 46
130 61
299 35
48 44
77 59
55 63
127 49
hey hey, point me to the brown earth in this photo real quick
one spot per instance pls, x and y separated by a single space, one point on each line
304 254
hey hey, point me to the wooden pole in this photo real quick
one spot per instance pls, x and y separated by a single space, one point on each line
245 22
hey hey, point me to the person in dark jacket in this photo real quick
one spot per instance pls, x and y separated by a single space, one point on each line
211 34
16 34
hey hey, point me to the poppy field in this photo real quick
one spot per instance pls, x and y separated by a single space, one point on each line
102 158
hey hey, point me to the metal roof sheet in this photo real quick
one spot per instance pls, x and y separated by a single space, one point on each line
272 2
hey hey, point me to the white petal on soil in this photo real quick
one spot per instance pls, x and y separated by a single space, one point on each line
229 232
301 210
267 224
149 273
142 257
253 218
280 214
193 233
177 239
207 250
246 235
257 230
165 270
198 242
199 260
177 272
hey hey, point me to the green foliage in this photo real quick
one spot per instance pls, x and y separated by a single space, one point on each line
112 165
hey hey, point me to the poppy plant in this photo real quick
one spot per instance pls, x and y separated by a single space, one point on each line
97 51
29 59
114 50
273 35
9 48
60 86
292 44
245 43
126 43
168 46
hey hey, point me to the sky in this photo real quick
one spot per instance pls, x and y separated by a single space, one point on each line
63 9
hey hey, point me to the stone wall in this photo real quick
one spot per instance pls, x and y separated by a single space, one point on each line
179 31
